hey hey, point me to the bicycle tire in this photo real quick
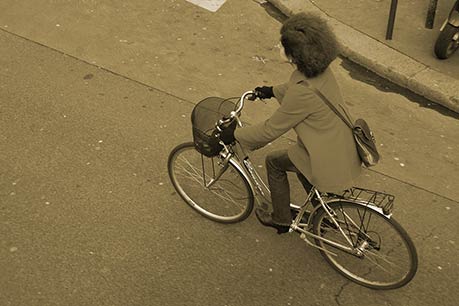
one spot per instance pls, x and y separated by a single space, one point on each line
447 42
380 267
229 200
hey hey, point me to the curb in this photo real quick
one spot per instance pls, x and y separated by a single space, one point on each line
384 60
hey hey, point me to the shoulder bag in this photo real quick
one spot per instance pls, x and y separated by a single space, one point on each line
364 137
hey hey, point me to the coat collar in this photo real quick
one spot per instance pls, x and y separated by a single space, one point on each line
297 77
317 81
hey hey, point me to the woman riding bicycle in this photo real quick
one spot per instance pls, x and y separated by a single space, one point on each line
325 154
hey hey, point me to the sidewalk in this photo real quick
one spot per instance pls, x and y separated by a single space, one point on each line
408 59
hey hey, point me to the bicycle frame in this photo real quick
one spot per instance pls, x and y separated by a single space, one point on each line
261 192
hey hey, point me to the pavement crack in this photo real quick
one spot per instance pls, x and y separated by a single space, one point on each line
430 235
414 74
340 291
414 186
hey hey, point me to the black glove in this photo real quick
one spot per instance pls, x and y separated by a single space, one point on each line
227 133
264 92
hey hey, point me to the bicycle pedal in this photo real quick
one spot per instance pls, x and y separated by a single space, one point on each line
264 206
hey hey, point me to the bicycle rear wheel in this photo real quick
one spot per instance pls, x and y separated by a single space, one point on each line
228 200
387 258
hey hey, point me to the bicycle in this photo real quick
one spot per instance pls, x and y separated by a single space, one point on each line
355 231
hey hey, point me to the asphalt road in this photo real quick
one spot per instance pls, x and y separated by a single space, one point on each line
87 214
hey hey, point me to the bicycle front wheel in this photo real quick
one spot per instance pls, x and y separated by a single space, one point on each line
384 256
228 200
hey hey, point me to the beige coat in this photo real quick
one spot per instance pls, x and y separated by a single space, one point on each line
325 151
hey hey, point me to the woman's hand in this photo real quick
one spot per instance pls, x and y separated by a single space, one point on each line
264 92
227 133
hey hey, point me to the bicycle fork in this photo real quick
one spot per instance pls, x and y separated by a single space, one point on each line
225 165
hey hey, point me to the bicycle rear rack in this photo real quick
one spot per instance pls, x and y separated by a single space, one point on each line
366 196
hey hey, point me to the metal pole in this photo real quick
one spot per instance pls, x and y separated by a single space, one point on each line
390 24
431 14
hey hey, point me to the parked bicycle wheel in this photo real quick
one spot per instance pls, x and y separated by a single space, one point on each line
228 200
387 258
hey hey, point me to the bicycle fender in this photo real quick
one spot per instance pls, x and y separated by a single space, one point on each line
241 169
364 204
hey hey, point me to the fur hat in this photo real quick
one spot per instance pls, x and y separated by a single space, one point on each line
309 43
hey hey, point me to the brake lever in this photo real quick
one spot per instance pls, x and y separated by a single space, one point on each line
239 122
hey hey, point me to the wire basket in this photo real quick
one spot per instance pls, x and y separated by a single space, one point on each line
366 196
203 118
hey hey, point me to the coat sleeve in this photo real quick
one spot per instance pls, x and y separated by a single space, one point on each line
279 91
298 103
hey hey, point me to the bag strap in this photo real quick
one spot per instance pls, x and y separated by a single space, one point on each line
332 107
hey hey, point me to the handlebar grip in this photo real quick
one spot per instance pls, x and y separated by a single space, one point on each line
250 95
253 97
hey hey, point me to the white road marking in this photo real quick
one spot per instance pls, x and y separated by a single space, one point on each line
211 5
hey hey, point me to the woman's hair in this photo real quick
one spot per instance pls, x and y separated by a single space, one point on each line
309 43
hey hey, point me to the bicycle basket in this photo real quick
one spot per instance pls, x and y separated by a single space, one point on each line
203 118
370 197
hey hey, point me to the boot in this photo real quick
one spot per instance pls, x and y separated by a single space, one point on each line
266 219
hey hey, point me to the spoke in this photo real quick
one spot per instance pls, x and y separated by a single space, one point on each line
367 237
362 219
347 225
384 258
191 172
197 173
357 228
377 264
195 176
215 188
222 190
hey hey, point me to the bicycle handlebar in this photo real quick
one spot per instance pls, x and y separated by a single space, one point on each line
235 113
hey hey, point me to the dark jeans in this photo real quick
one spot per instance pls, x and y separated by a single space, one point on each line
277 165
